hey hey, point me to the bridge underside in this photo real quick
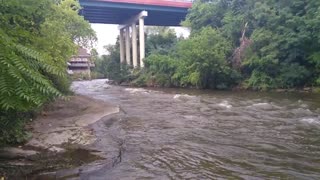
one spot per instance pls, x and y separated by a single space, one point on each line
129 15
108 12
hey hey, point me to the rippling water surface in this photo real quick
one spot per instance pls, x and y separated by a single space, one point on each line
193 134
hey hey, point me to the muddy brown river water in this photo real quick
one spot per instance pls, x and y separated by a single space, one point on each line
194 134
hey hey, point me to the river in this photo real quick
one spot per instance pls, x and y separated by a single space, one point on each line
204 134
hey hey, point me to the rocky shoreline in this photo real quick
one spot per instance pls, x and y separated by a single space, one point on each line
61 138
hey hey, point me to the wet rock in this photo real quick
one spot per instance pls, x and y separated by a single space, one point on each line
68 121
111 82
68 174
15 153
65 124
56 149
124 84
20 163
281 90
52 140
47 176
307 89
106 86
292 90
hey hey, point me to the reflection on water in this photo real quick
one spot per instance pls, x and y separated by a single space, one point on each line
192 134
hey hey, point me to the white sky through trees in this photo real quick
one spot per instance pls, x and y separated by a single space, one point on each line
107 34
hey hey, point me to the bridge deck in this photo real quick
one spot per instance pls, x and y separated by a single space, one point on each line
160 12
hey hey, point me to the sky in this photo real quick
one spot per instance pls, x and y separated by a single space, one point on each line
107 34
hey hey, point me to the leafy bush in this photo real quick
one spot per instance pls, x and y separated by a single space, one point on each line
12 127
80 76
157 72
160 40
157 63
292 75
202 61
260 81
199 61
96 75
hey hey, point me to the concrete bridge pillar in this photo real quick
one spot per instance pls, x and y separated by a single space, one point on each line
121 41
128 54
142 41
132 22
134 45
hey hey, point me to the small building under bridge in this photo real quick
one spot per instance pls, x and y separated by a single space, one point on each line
79 65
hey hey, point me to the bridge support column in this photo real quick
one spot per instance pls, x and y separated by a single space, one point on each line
122 50
132 22
134 46
128 55
141 40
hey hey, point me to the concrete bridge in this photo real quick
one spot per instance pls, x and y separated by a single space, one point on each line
132 15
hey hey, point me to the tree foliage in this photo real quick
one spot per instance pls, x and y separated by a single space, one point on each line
285 36
202 60
37 37
199 61
23 84
108 65
160 40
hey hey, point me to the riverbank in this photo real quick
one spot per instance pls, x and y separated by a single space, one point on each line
61 138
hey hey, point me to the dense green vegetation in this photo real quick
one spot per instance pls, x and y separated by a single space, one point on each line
199 61
252 44
37 37
108 66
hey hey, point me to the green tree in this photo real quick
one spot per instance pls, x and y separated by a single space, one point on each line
109 66
285 48
160 40
200 61
203 61
37 37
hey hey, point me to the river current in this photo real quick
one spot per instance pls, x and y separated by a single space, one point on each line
202 134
